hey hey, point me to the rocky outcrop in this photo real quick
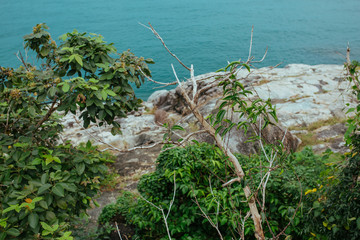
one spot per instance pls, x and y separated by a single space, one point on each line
306 97
302 94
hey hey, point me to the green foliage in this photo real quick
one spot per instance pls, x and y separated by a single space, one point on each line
334 213
354 121
51 185
336 207
200 171
237 98
44 184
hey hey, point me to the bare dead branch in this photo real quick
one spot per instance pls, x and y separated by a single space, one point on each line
22 60
163 43
185 139
228 183
118 231
152 80
251 40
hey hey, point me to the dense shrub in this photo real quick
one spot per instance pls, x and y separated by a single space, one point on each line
200 171
335 212
45 184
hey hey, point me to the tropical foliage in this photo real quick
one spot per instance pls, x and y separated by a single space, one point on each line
44 181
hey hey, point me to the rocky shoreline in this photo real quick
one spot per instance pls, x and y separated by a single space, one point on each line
310 103
303 95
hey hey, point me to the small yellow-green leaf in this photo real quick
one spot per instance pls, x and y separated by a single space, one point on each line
104 94
65 87
78 59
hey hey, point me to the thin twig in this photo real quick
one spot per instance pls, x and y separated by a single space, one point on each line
207 217
21 58
185 139
163 43
165 217
251 39
118 231
152 80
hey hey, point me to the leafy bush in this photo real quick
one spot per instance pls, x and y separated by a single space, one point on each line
336 207
45 184
200 171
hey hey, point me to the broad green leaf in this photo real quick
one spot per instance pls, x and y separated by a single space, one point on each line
48 159
33 220
79 60
104 94
43 204
56 159
98 95
71 187
110 92
80 168
44 51
36 161
46 227
43 188
62 204
3 235
32 111
37 199
52 91
58 190
12 207
65 87
50 216
13 232
63 37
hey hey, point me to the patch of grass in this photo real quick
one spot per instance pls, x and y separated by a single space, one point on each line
150 110
315 125
261 82
193 126
308 139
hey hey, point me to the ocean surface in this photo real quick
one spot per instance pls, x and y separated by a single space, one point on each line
206 33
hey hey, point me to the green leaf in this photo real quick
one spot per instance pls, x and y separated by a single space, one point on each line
110 92
56 159
3 236
46 227
63 37
13 232
32 111
65 87
247 66
12 207
104 94
177 127
50 216
36 161
44 51
358 223
78 59
43 188
98 95
43 204
33 220
58 190
52 91
80 168
71 187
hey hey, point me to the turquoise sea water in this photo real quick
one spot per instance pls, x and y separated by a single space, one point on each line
206 33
